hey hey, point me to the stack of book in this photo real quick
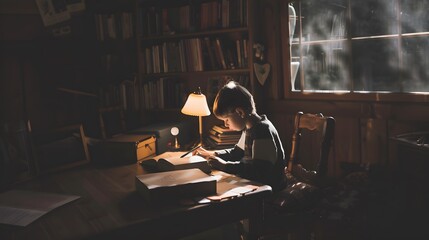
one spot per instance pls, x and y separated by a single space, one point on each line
221 137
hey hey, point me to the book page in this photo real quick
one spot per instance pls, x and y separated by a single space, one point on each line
233 191
169 155
21 208
184 160
172 160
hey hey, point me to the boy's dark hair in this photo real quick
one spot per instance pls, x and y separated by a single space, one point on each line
232 96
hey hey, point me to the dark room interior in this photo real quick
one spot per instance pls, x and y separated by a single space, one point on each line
79 75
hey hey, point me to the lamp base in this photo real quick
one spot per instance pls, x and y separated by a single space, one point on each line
197 143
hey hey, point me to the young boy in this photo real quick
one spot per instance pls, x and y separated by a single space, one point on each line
259 153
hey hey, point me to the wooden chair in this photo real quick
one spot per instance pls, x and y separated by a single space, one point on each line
60 148
306 174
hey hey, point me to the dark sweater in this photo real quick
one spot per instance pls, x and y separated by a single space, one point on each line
263 157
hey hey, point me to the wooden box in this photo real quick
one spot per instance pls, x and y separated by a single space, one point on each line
162 131
125 149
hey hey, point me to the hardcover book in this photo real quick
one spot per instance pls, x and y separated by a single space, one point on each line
175 184
169 161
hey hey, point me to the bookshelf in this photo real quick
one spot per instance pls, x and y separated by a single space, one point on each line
114 52
114 38
183 45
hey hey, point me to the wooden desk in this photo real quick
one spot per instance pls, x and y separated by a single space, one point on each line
110 208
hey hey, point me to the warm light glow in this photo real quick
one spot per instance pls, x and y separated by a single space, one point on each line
196 105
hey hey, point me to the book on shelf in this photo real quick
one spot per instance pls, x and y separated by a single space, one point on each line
175 184
170 161
220 54
155 92
114 26
212 64
193 16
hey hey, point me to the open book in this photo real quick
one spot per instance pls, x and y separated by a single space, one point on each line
169 161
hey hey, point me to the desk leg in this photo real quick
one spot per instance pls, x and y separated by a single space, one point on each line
255 220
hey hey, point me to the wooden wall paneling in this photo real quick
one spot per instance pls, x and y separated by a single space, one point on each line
346 145
284 125
374 141
284 50
272 87
333 108
418 112
256 35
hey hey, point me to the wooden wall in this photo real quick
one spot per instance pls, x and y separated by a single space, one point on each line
34 64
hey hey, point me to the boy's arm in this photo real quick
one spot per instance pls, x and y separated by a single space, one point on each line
263 164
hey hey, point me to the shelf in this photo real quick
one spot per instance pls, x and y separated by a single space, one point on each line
174 64
200 73
195 34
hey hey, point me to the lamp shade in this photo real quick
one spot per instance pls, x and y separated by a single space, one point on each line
196 105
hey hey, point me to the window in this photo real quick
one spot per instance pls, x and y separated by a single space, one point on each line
360 46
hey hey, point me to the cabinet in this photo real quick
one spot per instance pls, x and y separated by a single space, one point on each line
183 45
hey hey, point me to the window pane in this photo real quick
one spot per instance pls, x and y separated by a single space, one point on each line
361 45
414 16
415 64
373 17
323 45
375 65
323 20
325 67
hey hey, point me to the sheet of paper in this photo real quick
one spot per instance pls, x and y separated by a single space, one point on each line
176 159
168 155
226 191
21 208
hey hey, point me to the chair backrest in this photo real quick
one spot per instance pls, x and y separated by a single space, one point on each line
112 121
311 144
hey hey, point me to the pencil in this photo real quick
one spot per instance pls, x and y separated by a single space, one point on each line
193 149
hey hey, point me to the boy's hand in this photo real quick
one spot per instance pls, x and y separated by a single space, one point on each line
203 152
217 163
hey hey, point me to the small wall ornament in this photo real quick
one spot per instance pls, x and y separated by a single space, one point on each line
260 66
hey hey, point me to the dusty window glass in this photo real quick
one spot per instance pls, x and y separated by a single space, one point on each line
360 45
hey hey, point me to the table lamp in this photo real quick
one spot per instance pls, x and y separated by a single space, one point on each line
196 105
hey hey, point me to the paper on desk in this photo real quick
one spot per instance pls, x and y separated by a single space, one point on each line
21 208
232 192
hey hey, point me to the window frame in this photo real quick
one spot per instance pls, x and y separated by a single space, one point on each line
347 95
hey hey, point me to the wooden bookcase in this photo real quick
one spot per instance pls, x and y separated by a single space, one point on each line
63 80
186 45
115 53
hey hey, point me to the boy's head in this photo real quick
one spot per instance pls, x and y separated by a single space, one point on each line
232 97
